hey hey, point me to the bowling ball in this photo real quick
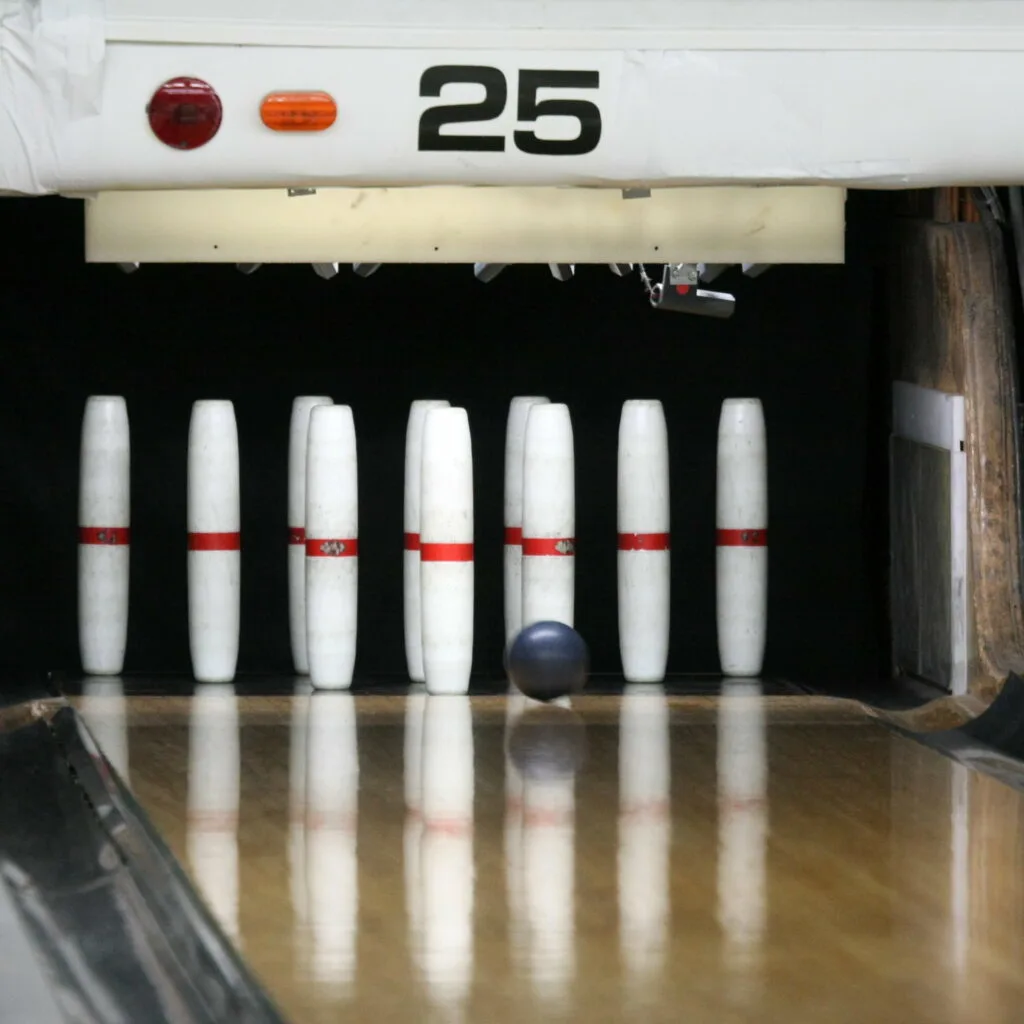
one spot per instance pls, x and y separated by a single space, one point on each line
547 743
548 660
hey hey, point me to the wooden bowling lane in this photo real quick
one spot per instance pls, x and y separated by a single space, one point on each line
731 859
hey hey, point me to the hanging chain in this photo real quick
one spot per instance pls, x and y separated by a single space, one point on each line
645 279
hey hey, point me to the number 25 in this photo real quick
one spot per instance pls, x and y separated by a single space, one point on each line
528 108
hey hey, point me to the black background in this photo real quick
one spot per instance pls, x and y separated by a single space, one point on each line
806 340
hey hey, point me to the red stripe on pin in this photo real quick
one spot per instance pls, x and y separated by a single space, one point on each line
742 538
513 536
552 546
644 542
446 552
296 535
214 541
412 542
332 547
107 535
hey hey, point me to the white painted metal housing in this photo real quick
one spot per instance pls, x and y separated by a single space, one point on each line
864 93
930 588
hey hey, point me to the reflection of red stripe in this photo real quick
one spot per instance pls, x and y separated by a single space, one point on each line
643 542
738 804
449 826
559 546
446 552
336 821
213 821
412 542
742 538
332 547
546 819
104 535
653 810
513 536
296 535
214 541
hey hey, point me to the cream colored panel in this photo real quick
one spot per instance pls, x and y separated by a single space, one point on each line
465 225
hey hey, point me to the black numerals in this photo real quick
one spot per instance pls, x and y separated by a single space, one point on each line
529 108
490 107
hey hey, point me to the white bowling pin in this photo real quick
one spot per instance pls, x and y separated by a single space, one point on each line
742 537
105 711
447 849
742 824
298 435
103 535
415 708
515 434
213 797
214 541
645 831
549 516
643 526
411 559
446 551
297 758
332 546
332 801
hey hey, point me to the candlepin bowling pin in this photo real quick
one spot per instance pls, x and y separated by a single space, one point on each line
332 546
446 551
549 516
515 433
742 537
643 525
214 541
411 560
298 437
103 535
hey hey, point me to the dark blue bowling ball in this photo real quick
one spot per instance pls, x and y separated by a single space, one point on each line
548 660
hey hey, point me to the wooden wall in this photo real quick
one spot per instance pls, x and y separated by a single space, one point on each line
952 329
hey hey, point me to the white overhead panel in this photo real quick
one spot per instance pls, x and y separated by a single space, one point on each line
784 224
508 92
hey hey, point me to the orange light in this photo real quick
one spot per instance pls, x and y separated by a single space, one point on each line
298 111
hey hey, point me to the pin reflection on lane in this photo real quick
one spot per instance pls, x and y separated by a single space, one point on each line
742 830
332 878
445 943
513 832
297 756
213 795
546 748
645 832
415 709
105 712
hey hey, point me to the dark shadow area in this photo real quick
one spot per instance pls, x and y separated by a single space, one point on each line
803 340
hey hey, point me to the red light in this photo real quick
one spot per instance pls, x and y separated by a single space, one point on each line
185 113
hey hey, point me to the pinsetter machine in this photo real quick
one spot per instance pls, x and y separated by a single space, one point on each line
689 134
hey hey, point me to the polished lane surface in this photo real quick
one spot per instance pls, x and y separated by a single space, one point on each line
652 858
